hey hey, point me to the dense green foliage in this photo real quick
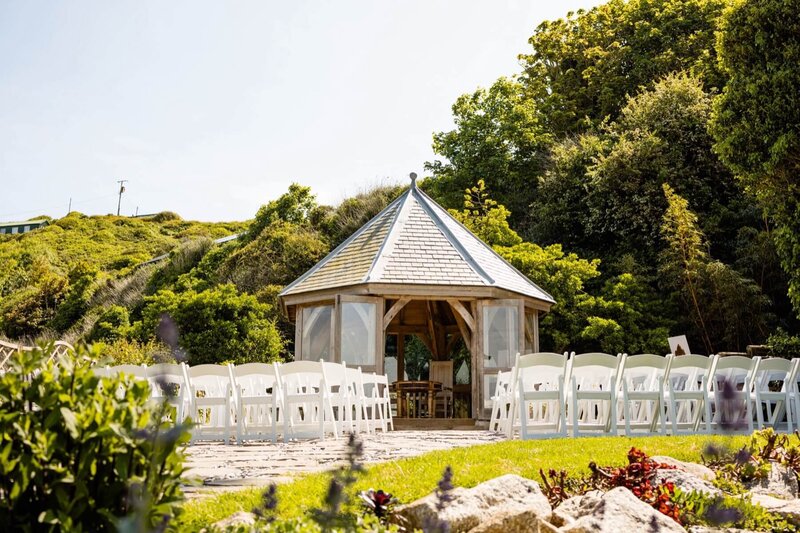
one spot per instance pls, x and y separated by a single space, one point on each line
611 105
76 458
215 325
757 116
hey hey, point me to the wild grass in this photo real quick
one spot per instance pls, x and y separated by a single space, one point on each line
412 478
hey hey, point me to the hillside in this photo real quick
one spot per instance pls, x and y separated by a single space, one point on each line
49 274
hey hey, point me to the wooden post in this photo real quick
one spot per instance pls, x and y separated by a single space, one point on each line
477 360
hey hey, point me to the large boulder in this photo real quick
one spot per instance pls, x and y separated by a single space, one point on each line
698 470
506 503
789 509
573 508
620 511
781 483
687 482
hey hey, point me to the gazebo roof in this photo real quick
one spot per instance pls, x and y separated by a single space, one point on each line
414 241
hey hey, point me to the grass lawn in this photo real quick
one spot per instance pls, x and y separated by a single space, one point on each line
412 478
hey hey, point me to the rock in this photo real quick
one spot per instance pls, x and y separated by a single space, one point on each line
573 508
687 482
787 508
506 503
696 469
620 511
240 518
780 483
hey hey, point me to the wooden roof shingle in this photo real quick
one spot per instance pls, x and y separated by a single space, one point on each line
414 241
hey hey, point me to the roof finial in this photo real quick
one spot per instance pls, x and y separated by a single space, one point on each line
413 177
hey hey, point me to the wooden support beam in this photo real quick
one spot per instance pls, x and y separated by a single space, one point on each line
460 310
464 330
434 347
394 310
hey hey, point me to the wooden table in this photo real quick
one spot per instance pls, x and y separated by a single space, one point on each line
416 390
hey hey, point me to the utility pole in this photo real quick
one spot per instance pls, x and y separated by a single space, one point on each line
69 209
121 190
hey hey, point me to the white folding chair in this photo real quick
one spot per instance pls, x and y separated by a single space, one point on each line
686 393
381 393
358 400
210 404
337 392
372 403
256 398
732 376
643 377
168 383
307 410
500 403
137 371
773 386
593 392
540 402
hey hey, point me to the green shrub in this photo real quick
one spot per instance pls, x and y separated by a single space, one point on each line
81 453
180 261
215 325
165 216
111 324
124 351
82 278
781 344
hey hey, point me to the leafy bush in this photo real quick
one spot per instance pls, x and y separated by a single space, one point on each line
781 344
215 325
82 278
164 216
111 324
81 453
180 261
124 351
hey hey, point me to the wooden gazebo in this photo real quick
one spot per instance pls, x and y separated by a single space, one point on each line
415 270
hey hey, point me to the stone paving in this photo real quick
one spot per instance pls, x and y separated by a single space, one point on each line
220 466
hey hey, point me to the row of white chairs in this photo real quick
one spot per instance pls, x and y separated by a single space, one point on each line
259 401
549 394
8 349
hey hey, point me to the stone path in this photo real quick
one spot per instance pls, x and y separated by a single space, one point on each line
221 466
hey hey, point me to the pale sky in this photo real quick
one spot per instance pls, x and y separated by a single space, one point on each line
213 108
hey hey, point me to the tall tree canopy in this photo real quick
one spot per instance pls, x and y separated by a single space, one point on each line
757 117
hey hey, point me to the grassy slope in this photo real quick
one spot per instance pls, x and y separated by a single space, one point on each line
412 478
110 243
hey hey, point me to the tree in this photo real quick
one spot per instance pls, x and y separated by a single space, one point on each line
498 138
756 119
487 219
661 137
583 66
727 309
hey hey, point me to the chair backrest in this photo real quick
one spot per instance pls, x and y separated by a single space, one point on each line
300 377
254 379
503 386
335 376
775 370
210 380
375 385
736 369
644 372
166 380
595 371
442 371
139 371
541 371
689 372
355 381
